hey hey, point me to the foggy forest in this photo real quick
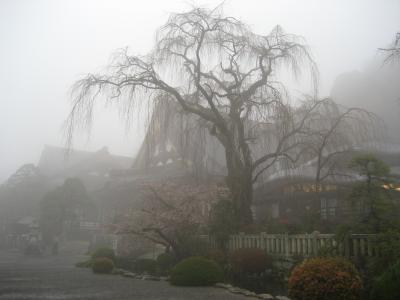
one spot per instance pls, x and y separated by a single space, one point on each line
200 150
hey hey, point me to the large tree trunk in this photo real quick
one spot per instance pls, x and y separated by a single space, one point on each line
239 181
243 199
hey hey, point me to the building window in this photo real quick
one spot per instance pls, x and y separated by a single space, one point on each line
323 209
328 208
332 206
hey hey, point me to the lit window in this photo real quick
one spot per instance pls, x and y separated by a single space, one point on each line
323 208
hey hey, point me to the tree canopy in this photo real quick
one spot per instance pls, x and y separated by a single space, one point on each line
60 205
217 69
392 53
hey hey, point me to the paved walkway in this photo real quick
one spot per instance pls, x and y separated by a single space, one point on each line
48 277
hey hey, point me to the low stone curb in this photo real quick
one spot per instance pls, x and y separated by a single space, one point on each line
129 274
244 292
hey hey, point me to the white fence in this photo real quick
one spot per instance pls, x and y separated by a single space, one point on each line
304 244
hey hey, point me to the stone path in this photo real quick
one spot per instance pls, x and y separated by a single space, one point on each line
48 277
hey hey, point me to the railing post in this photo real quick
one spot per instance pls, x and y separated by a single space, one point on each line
362 246
263 245
315 243
241 238
355 244
346 245
305 242
369 247
287 245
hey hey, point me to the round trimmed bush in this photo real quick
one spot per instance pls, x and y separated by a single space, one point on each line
387 286
249 260
325 278
166 261
124 262
102 265
196 271
104 252
217 255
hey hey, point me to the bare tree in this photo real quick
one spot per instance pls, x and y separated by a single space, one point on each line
392 53
215 68
334 133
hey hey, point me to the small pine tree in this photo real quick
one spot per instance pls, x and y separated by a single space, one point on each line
376 208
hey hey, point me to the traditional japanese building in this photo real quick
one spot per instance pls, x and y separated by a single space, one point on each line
181 146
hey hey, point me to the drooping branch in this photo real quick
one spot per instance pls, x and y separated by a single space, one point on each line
287 140
338 132
217 70
392 53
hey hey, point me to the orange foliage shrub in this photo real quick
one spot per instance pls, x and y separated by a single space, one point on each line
102 265
249 260
330 278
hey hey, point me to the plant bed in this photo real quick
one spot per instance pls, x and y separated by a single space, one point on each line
165 262
262 283
145 266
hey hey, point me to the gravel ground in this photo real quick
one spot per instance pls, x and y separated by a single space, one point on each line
55 277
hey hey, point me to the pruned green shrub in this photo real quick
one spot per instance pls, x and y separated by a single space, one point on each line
387 286
102 265
123 262
249 260
388 246
166 261
327 251
217 255
104 252
145 265
325 278
196 271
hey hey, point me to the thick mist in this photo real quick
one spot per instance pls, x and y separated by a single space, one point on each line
200 149
47 45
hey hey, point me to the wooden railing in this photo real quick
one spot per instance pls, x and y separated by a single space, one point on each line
304 244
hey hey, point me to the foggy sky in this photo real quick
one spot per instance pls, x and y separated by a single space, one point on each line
46 45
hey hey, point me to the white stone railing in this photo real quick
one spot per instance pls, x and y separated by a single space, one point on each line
306 245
